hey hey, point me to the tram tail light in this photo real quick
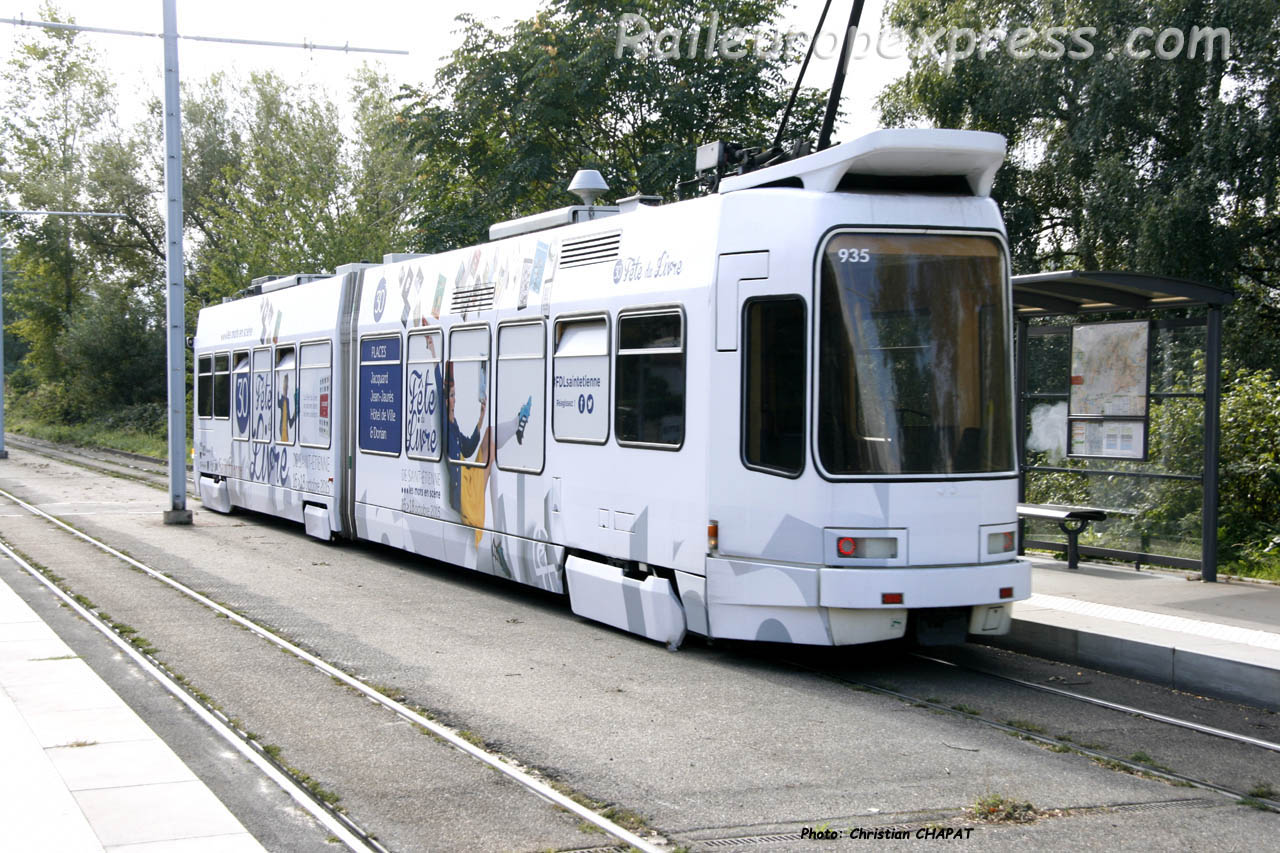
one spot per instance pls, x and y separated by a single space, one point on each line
890 598
867 547
713 536
1001 543
1006 592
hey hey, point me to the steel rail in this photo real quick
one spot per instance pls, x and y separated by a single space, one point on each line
1114 706
350 835
1167 775
123 469
534 784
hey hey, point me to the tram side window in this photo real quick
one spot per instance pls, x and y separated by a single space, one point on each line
520 397
286 396
204 386
424 388
466 383
580 381
221 385
650 402
262 403
241 395
381 383
315 394
774 377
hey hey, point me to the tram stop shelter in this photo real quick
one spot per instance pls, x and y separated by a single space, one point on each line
1118 378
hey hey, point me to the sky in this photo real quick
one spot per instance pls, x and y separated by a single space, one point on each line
425 28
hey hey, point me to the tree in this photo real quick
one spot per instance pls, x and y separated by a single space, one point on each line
57 105
514 114
1167 167
279 190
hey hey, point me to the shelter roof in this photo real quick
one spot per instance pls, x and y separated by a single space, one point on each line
1044 294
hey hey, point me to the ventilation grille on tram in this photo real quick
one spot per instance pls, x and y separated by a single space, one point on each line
478 298
595 249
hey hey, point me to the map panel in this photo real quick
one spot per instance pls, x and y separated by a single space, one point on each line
1109 369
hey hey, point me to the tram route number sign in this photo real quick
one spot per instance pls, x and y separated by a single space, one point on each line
381 384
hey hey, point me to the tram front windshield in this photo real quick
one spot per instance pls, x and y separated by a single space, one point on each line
914 360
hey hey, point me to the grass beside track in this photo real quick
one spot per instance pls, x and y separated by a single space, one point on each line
91 435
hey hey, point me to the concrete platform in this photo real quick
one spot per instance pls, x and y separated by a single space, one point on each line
82 772
1170 628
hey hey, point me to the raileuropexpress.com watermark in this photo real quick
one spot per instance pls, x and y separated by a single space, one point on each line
710 38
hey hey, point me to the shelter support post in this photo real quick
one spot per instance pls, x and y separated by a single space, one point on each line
1212 397
1023 329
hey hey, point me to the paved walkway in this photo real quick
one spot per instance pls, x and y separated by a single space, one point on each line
82 772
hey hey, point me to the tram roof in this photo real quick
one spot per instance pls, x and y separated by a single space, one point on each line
1044 294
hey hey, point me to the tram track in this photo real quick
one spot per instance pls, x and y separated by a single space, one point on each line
1113 706
117 463
1115 760
1111 759
351 834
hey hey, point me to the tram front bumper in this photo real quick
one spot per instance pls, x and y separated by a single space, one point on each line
746 599
914 588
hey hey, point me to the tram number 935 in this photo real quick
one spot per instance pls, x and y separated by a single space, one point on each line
853 256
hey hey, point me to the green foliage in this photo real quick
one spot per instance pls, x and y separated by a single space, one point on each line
271 184
1167 167
284 192
1250 476
138 429
55 104
1162 166
997 808
514 114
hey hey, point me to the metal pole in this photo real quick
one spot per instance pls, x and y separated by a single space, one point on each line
1212 396
837 84
175 292
1022 327
4 454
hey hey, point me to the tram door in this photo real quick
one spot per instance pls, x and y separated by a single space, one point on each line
757 490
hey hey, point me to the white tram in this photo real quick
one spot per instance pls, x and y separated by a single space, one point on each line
780 412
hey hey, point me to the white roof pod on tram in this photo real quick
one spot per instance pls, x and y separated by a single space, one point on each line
974 156
587 502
